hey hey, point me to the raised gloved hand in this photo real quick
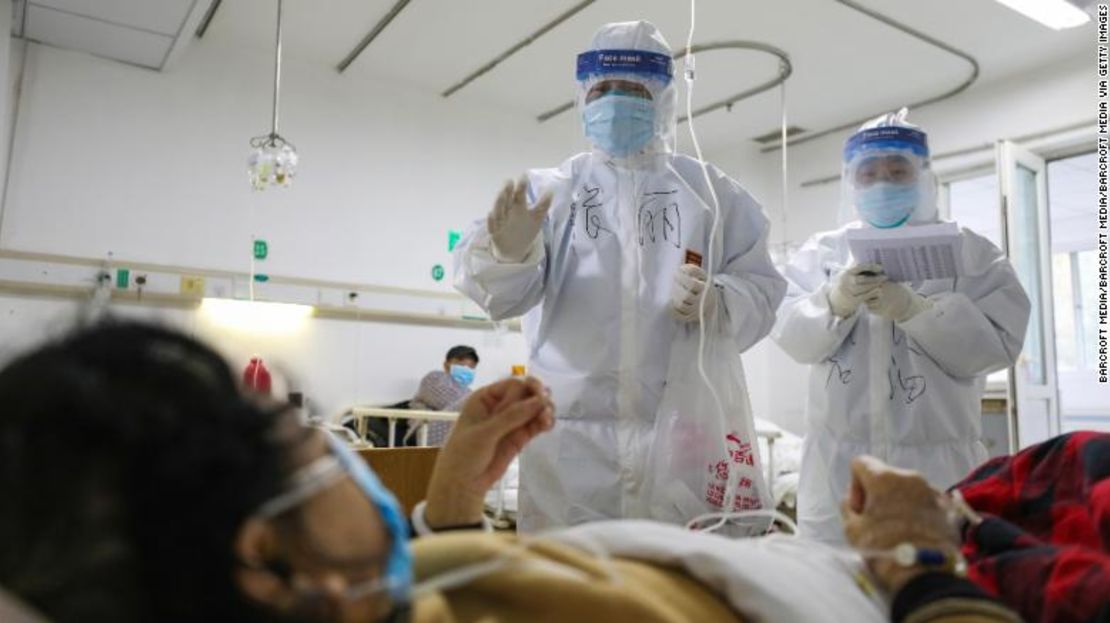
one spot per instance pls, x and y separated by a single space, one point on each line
513 227
690 284
896 302
853 286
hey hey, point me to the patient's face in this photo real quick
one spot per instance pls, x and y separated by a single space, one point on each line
333 541
340 529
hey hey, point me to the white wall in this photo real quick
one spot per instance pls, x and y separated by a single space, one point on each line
1044 99
336 363
151 167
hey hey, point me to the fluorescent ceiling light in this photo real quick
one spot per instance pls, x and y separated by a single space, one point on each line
255 316
1056 14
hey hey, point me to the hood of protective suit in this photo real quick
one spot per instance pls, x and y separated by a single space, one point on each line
888 203
633 52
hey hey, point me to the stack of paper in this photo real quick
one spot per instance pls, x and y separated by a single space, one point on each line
916 253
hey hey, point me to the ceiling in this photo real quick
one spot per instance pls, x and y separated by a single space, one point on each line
138 32
846 65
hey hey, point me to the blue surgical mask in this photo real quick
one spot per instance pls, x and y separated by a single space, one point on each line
398 569
463 375
885 205
619 125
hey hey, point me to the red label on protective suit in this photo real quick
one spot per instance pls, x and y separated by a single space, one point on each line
693 257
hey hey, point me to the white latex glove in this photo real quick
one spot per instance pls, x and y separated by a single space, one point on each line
852 287
896 301
513 227
690 284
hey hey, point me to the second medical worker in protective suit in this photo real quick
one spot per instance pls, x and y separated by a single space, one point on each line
898 369
604 266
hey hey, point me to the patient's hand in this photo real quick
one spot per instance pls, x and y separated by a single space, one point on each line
888 506
495 424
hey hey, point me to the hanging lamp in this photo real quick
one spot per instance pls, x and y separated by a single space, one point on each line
274 159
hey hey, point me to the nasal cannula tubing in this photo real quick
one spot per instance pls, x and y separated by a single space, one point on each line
904 554
721 518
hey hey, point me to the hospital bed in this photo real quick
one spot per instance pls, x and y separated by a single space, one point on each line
779 449
362 414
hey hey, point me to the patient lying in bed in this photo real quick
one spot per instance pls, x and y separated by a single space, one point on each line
134 471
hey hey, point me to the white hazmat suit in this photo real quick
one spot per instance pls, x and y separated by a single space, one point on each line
601 289
902 385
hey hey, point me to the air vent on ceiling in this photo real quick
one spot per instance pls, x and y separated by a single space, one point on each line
776 134
19 7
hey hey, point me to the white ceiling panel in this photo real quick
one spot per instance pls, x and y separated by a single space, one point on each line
322 32
160 16
66 30
836 79
847 65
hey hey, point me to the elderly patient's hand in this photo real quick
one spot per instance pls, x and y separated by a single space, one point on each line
495 424
888 506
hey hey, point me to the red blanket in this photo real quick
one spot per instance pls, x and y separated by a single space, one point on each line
1044 547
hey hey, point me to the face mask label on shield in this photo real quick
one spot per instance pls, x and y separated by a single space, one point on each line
463 375
885 205
619 125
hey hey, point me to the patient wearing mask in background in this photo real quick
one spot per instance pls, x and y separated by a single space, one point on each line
445 390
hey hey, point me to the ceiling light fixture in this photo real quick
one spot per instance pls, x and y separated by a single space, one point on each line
274 160
1056 14
256 317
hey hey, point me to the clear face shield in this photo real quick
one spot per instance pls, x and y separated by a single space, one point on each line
887 181
626 100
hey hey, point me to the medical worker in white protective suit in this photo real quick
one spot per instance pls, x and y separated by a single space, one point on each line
595 255
898 369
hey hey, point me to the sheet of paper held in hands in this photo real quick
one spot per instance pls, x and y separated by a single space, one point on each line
912 253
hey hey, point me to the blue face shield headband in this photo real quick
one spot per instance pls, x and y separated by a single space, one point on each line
326 471
887 139
647 65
